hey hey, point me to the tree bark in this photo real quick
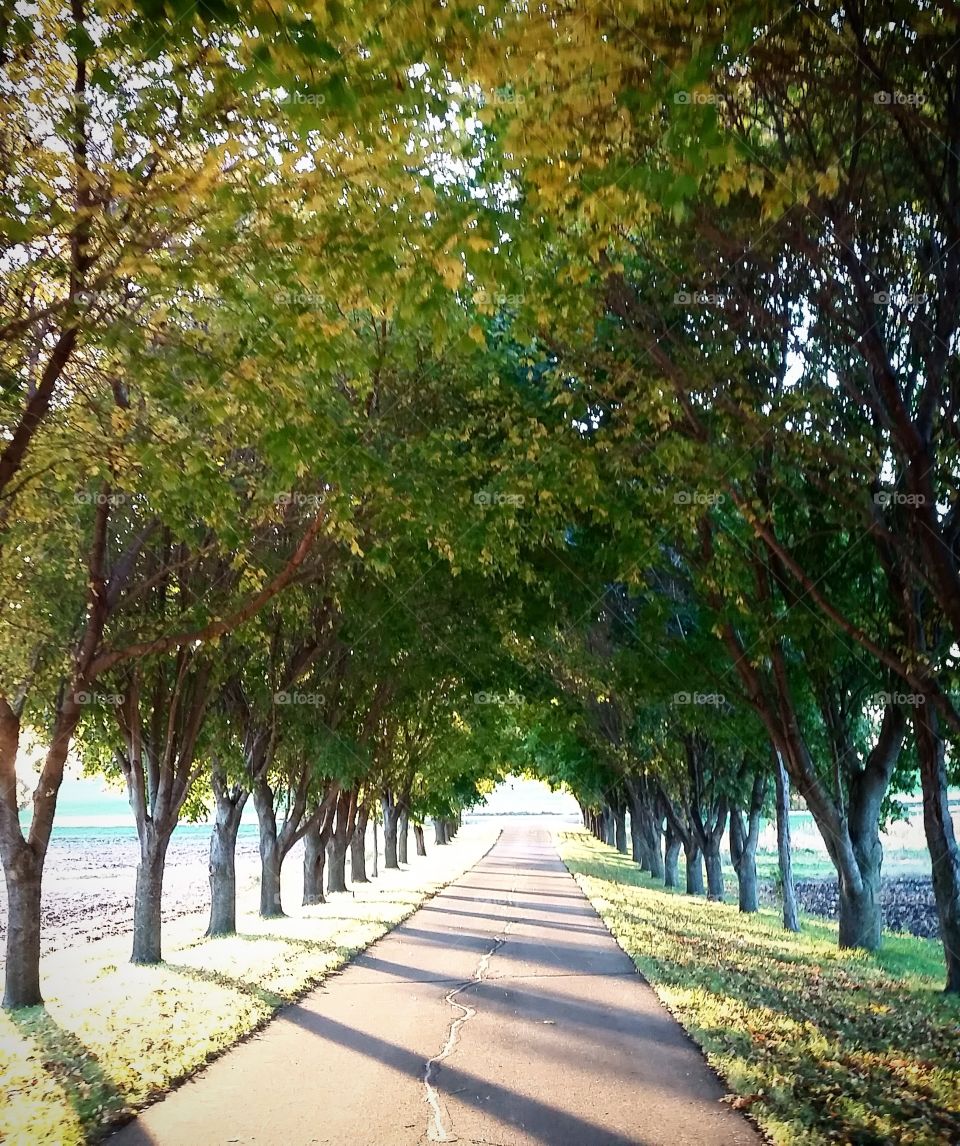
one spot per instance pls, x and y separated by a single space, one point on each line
336 864
651 830
715 888
671 859
620 828
391 821
941 838
358 848
694 868
148 898
315 862
376 859
223 859
743 845
343 829
439 832
636 841
791 920
23 871
403 835
420 841
271 857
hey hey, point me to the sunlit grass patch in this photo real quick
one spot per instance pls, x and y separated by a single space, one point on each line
113 1036
821 1045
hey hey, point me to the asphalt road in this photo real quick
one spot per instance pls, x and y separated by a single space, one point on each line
502 1012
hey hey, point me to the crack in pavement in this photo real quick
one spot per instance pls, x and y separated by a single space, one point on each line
437 1131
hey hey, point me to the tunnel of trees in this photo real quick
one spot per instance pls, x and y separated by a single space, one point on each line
391 404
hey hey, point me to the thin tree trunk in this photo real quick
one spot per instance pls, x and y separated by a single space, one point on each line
694 868
336 864
620 828
420 841
671 859
148 898
223 859
23 871
650 830
358 848
715 889
314 863
271 857
403 835
376 859
391 819
636 840
791 920
743 856
223 871
941 839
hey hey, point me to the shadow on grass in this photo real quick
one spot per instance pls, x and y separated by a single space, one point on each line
90 1091
848 1045
271 999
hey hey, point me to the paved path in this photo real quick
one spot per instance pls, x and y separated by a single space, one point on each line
502 1012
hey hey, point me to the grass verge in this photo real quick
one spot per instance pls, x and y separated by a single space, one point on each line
113 1037
821 1045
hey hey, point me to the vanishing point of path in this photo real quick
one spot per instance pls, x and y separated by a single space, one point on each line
502 1012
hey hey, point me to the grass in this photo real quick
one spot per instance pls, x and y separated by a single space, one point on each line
113 1037
821 1045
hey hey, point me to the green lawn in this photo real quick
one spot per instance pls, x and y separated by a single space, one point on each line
820 1045
112 1037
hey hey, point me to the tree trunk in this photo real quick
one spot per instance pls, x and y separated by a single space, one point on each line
271 862
403 835
694 869
620 829
23 870
715 888
148 898
314 864
223 866
358 848
743 856
941 839
791 921
650 830
439 832
420 841
671 859
636 841
391 821
271 857
376 859
336 864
